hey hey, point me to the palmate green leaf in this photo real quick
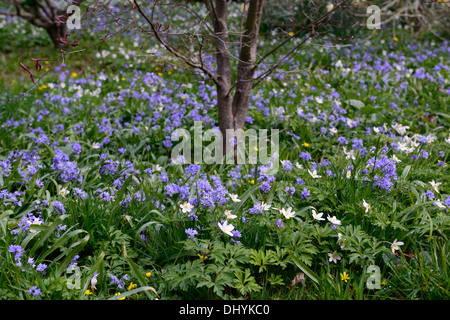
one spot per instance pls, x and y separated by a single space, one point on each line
186 275
354 257
275 280
245 282
216 277
258 258
230 254
206 282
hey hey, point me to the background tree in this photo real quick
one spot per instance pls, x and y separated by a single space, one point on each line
240 64
46 14
224 49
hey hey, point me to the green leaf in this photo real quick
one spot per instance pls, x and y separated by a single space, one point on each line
45 235
405 172
131 292
61 241
304 268
70 254
137 273
245 282
94 268
356 103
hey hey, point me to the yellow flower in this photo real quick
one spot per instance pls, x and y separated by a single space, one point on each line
123 79
132 286
88 292
46 62
291 33
395 39
345 276
252 181
123 298
160 74
74 75
255 148
202 257
169 73
148 274
157 68
46 69
384 282
305 144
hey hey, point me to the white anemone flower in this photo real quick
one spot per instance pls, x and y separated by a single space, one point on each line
226 228
230 215
314 174
431 138
94 281
397 160
265 206
334 131
367 206
334 257
435 185
186 207
330 7
350 154
349 174
64 192
36 221
96 145
340 241
287 213
334 220
316 215
440 204
400 129
396 246
234 197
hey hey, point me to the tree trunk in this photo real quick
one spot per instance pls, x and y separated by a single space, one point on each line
246 65
218 15
233 111
57 31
